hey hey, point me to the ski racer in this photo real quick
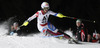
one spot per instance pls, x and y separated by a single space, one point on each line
43 24
81 33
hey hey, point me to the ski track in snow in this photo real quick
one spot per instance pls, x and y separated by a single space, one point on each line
36 41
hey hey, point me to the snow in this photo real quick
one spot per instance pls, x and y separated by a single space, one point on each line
35 41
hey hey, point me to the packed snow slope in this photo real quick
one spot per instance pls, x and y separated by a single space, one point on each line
36 41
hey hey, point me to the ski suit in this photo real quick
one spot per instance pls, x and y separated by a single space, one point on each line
43 24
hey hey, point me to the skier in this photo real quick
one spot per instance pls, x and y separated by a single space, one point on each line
94 32
14 28
43 24
81 33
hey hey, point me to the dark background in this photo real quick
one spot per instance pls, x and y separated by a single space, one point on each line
22 9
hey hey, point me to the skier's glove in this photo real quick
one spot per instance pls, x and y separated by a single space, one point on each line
25 23
60 15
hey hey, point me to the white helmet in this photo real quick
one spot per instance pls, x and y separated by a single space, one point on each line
45 4
78 20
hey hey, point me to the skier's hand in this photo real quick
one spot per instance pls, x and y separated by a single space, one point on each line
25 23
61 15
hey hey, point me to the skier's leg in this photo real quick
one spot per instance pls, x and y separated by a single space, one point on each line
42 29
52 29
88 38
65 35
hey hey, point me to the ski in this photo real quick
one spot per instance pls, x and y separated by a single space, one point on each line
52 36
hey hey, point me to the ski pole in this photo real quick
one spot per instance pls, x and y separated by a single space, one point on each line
80 19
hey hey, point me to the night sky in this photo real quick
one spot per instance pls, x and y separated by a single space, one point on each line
22 9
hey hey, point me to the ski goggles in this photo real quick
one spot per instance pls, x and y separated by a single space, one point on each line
46 8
